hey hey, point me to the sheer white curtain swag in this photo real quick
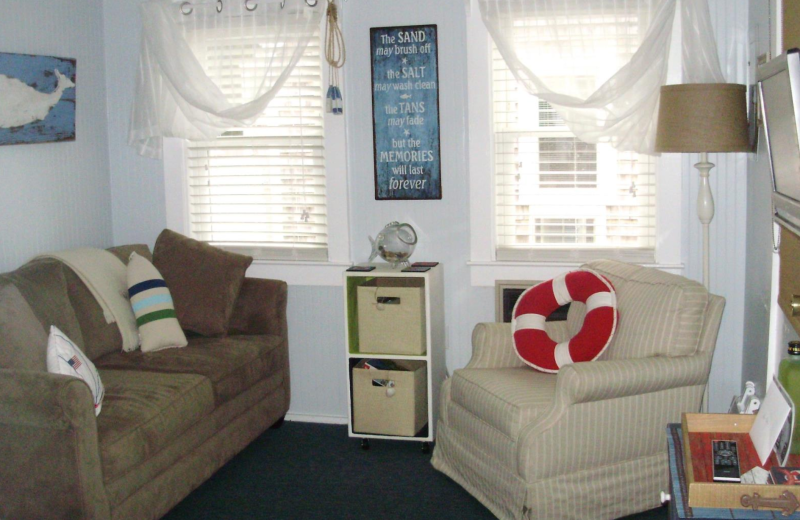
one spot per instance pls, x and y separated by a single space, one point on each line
175 95
573 63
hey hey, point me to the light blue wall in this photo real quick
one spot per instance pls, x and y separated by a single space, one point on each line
317 353
137 183
316 313
85 192
442 225
759 226
729 181
56 195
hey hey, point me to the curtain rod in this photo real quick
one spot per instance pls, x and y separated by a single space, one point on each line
251 5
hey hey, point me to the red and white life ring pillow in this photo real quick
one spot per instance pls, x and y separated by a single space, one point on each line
533 344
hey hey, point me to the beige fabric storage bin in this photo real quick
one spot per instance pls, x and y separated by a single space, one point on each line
391 316
404 413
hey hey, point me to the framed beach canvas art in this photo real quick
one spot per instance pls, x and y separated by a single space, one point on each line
405 112
37 99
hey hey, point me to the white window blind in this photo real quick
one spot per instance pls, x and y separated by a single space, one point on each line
261 189
555 196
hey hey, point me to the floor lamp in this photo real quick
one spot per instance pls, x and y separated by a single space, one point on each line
703 117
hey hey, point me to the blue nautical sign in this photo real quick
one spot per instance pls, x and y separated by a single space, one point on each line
405 112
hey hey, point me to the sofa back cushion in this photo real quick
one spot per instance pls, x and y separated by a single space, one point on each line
100 337
43 284
23 340
204 281
660 314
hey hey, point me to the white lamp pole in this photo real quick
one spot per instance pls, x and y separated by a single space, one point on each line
705 211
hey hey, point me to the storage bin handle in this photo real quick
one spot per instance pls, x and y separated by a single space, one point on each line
387 383
786 502
380 301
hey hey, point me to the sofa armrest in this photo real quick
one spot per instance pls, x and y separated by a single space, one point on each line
260 308
49 432
600 380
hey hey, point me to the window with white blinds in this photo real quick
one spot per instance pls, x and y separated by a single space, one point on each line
261 189
553 192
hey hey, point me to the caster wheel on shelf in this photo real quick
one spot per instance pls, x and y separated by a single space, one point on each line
426 447
364 444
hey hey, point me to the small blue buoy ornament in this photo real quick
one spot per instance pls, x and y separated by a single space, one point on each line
333 103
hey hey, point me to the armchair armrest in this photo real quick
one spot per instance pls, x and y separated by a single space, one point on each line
493 344
600 380
260 308
493 347
51 461
596 400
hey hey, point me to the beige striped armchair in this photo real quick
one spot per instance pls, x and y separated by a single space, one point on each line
588 442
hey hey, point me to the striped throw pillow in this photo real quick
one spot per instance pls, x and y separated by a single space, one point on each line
64 357
153 307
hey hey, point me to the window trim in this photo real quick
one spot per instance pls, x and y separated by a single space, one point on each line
485 269
293 272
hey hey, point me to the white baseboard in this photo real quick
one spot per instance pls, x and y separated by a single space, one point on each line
312 418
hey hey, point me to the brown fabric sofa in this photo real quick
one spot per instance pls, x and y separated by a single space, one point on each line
169 419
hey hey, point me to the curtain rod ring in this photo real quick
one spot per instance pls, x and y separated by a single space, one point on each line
184 7
219 6
247 6
310 3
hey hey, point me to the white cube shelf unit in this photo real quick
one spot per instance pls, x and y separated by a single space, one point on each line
433 353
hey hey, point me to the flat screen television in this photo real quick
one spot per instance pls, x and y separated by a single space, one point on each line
779 93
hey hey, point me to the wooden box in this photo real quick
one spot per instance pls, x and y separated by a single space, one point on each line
698 431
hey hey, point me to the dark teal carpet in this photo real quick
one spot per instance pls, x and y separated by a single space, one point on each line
315 471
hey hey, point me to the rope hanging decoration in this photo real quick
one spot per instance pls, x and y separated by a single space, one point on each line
335 56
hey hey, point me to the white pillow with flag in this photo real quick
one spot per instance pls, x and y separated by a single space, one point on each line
153 307
64 357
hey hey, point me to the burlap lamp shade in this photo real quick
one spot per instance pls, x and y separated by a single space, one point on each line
702 117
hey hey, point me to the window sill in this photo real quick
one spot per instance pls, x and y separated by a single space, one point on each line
485 274
300 273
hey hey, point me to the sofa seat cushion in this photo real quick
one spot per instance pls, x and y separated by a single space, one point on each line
143 412
233 363
507 399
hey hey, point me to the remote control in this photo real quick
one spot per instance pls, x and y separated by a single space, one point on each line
726 461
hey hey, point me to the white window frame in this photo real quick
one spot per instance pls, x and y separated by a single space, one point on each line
485 269
294 272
